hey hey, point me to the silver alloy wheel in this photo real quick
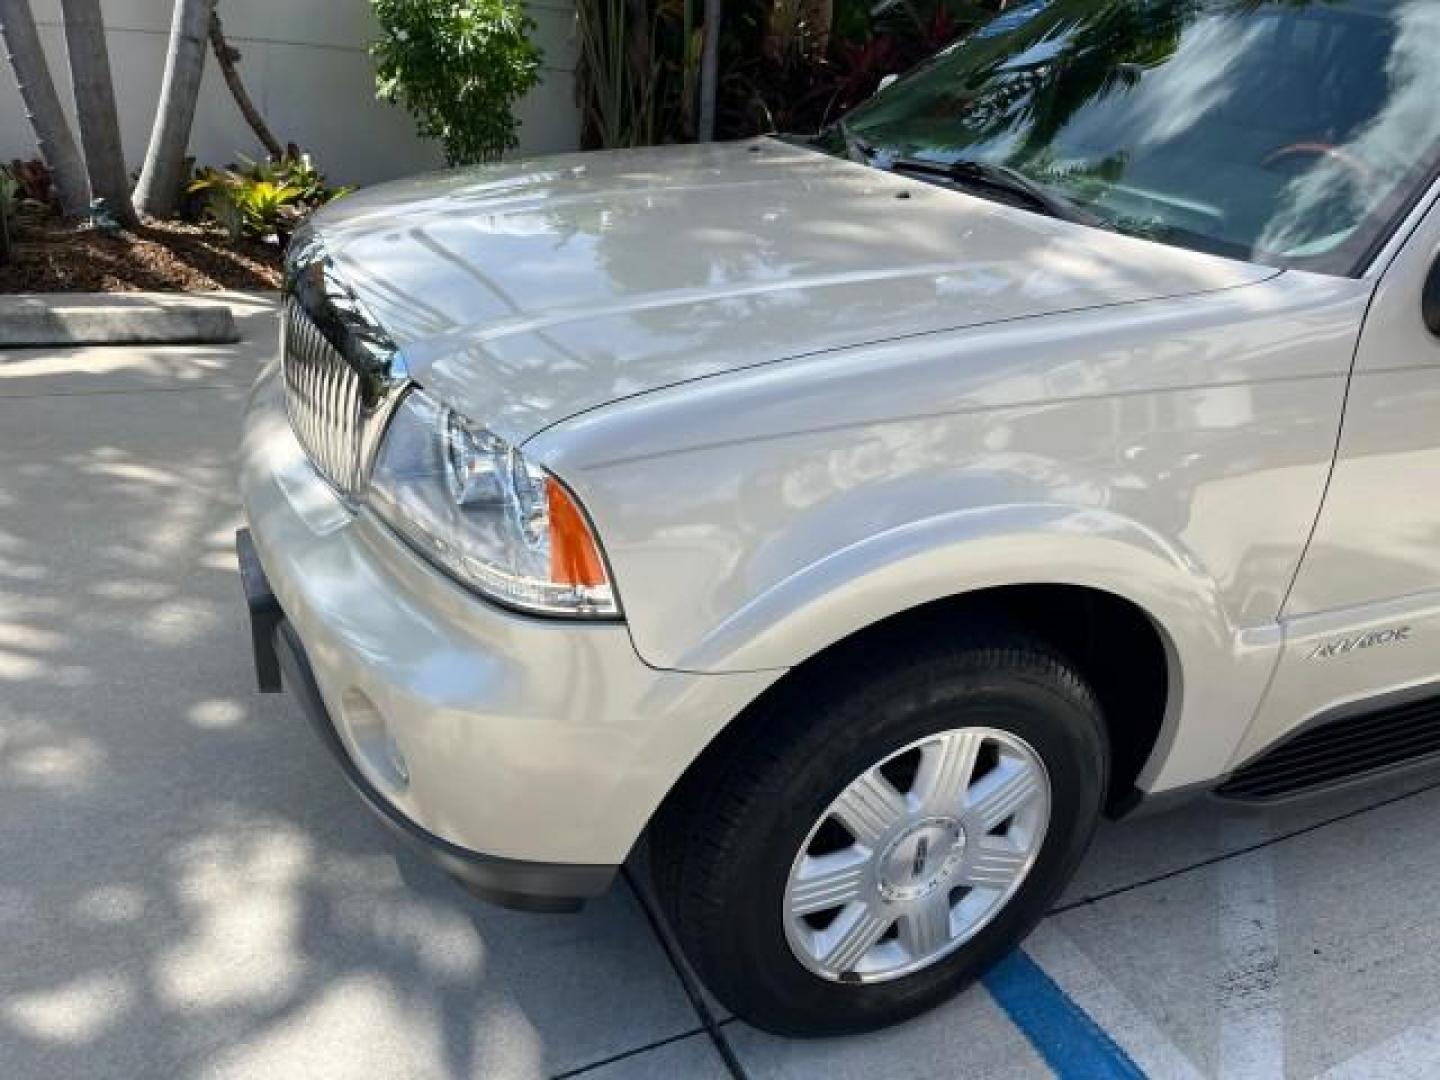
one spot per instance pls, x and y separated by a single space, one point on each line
916 855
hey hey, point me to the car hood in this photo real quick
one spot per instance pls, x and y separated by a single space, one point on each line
526 293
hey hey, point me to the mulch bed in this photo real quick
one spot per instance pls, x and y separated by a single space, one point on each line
50 255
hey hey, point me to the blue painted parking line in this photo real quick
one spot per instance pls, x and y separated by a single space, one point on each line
1063 1033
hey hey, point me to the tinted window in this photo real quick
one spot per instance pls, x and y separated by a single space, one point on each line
1286 131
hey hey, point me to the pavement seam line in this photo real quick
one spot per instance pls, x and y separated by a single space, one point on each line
581 1070
122 393
1061 909
692 990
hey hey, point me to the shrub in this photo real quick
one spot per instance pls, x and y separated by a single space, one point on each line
297 169
266 198
458 66
244 206
638 69
799 77
786 65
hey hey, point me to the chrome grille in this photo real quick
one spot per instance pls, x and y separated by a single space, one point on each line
324 395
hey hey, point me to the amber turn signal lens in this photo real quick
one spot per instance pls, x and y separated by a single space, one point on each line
574 556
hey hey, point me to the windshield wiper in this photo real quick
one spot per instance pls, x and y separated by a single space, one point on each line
979 175
856 148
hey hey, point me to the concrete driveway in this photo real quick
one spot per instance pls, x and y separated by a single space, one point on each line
188 889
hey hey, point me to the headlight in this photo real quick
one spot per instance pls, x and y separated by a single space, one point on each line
472 504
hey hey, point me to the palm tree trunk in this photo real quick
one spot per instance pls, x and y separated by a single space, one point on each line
95 107
163 172
226 57
42 105
709 70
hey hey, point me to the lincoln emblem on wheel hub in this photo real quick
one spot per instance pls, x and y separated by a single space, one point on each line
917 854
921 859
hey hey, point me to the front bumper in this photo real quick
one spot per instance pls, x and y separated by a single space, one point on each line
528 753
528 886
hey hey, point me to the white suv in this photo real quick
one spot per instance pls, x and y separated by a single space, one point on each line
863 516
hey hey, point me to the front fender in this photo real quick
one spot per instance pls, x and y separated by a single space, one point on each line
1217 672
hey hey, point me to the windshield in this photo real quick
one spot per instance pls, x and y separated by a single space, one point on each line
1287 132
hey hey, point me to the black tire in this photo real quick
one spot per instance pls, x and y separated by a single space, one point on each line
723 848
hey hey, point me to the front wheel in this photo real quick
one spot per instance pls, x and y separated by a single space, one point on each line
876 840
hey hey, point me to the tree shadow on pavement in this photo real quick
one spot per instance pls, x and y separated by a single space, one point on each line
186 886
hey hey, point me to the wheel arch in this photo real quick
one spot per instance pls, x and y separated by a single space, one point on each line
1124 653
1028 562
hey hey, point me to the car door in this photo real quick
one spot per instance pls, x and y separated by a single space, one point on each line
1362 620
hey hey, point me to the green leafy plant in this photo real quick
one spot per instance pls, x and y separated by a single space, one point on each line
246 205
458 66
618 72
638 72
264 198
297 169
266 207
208 196
786 65
795 68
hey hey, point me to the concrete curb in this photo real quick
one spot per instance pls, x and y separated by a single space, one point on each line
28 320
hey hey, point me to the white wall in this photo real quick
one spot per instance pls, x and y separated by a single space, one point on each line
305 65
